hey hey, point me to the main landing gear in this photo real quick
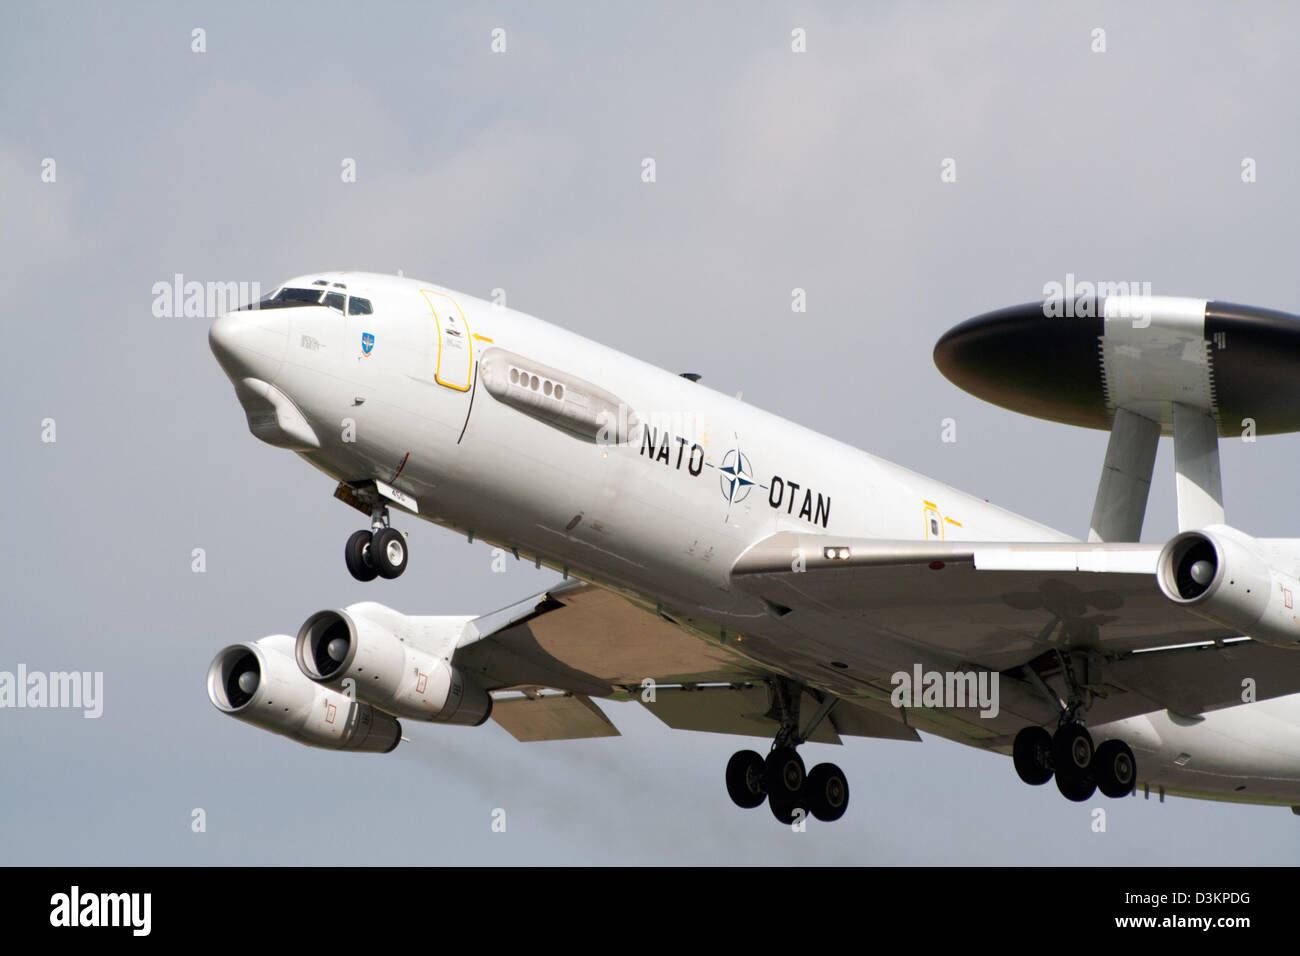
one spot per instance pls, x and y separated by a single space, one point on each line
379 552
1069 756
780 779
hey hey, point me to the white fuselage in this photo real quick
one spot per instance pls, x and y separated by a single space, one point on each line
661 517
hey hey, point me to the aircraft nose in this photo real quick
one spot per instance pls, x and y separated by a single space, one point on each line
247 345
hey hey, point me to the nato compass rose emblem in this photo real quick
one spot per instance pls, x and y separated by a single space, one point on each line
736 476
367 342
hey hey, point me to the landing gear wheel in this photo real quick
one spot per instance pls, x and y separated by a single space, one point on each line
1071 750
783 775
354 553
745 779
388 552
1032 754
827 792
1115 768
788 810
1076 788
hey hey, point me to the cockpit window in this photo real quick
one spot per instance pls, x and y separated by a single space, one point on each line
358 306
335 301
287 299
308 296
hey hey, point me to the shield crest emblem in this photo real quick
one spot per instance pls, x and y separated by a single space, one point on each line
367 342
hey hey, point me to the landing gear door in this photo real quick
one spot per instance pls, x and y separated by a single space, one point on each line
453 350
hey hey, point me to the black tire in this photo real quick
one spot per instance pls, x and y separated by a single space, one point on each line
826 792
745 779
783 774
790 810
1076 788
354 553
1072 751
388 552
1115 768
1032 755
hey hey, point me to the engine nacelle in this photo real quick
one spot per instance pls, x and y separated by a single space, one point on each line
1231 578
376 647
259 684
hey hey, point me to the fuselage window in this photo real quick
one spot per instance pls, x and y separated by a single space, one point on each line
358 306
335 301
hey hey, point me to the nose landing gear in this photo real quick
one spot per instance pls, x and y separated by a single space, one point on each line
379 552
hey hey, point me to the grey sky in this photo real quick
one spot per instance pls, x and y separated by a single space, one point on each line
522 171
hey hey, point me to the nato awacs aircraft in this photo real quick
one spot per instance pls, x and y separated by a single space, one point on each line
736 573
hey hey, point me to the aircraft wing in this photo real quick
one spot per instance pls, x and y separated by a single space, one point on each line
545 657
842 621
858 610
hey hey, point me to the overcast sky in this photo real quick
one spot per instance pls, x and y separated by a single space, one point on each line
522 171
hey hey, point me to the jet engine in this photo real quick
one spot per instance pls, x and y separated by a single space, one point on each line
259 684
388 669
1232 579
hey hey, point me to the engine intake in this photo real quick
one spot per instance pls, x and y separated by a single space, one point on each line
259 684
1231 578
389 670
1193 566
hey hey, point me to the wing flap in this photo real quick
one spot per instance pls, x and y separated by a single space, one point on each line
746 710
552 717
743 710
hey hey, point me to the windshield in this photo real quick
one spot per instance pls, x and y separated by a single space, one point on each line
306 296
289 298
335 299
